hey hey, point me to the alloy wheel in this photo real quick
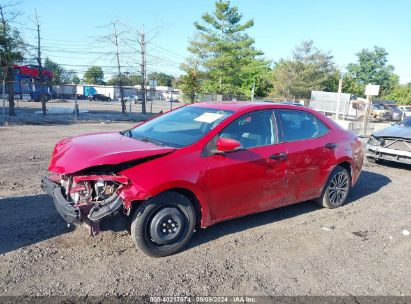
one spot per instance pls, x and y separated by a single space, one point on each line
338 188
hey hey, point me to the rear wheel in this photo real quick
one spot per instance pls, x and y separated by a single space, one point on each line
336 190
164 224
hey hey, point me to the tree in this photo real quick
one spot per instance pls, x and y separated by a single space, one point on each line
371 68
11 52
60 75
130 80
190 83
162 79
401 94
309 69
225 51
75 79
94 75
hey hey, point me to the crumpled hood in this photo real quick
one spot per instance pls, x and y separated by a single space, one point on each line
394 131
77 153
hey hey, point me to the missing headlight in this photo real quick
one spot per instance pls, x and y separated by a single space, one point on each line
374 141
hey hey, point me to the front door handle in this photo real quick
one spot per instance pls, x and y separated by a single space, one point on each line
279 156
330 146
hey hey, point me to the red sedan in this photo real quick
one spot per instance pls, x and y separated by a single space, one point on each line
202 164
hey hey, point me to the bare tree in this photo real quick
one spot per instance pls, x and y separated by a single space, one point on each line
114 39
141 39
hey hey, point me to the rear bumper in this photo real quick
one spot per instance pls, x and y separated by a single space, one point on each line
67 211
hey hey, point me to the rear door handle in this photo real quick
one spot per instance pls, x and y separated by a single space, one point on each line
279 156
330 146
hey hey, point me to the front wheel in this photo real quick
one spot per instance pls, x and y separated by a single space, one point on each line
336 190
164 224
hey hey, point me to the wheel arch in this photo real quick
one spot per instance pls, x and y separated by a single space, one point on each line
200 209
343 163
346 165
194 200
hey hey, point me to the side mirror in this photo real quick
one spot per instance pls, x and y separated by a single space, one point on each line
227 145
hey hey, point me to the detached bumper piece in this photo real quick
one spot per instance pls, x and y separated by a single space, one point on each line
66 209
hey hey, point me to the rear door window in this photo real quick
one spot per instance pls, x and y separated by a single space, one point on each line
300 125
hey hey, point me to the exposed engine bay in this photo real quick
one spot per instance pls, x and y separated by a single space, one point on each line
83 191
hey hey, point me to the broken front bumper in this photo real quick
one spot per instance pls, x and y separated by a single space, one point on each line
388 154
74 215
66 209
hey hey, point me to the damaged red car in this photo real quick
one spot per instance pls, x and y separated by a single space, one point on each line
202 164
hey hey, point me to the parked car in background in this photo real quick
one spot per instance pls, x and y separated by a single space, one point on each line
100 97
396 112
392 143
392 107
292 103
379 113
202 164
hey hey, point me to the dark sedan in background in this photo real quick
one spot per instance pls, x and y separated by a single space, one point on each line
99 97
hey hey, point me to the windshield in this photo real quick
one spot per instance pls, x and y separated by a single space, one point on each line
181 127
377 107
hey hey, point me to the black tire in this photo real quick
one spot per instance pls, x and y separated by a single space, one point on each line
164 224
336 189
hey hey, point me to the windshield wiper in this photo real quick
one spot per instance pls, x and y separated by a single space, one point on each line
127 133
153 141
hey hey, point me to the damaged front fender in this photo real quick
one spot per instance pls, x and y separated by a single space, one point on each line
132 192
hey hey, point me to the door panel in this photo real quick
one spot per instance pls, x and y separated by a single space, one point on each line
246 181
308 166
252 179
311 153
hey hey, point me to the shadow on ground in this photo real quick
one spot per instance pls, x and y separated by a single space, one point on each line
368 183
28 220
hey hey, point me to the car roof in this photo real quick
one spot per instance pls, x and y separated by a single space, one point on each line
246 106
238 106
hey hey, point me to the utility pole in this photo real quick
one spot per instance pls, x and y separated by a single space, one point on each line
40 67
142 43
120 83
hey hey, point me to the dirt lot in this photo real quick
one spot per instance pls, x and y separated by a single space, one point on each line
358 249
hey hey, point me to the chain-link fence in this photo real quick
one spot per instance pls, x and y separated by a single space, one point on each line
360 115
66 102
22 101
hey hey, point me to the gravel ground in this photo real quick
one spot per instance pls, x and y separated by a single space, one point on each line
358 249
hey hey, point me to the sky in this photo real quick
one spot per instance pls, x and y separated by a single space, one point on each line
73 31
